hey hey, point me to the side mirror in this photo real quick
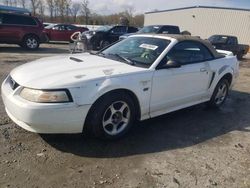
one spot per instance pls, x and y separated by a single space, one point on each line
171 64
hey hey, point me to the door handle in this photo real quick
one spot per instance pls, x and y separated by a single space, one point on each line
203 69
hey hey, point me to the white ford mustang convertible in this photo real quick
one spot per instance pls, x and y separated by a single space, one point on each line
141 77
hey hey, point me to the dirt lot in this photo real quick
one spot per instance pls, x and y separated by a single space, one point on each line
195 147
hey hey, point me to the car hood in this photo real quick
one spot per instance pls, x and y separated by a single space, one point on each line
69 71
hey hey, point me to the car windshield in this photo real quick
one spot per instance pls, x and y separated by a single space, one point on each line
149 29
104 28
137 51
218 39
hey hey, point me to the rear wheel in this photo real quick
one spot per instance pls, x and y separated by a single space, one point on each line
240 55
111 116
220 94
31 42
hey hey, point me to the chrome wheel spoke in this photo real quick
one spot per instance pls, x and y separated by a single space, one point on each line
114 129
123 107
107 122
125 120
112 109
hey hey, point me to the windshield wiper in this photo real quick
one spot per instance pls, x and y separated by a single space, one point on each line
124 59
101 54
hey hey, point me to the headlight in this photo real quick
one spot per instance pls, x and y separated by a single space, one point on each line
44 96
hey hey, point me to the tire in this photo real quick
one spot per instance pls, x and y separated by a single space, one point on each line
104 44
31 42
220 94
111 116
240 55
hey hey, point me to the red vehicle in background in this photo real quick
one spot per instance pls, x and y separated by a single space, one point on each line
21 29
61 32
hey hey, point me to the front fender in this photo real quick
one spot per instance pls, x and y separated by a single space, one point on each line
139 85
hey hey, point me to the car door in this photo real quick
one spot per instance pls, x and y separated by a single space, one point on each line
70 29
174 88
58 33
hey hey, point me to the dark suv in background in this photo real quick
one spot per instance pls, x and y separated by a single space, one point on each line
229 43
24 30
165 29
107 35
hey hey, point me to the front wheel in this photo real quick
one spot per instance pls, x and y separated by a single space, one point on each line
112 116
240 55
104 44
220 94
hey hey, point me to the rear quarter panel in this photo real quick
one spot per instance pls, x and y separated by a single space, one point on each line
221 67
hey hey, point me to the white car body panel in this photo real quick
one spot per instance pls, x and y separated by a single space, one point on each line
88 77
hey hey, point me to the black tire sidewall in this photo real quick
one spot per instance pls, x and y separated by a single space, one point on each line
97 112
104 44
212 102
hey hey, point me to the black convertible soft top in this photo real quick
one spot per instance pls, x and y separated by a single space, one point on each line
192 38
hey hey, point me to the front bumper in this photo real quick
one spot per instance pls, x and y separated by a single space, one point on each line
43 117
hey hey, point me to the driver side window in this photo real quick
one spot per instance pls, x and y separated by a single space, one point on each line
56 27
118 30
189 52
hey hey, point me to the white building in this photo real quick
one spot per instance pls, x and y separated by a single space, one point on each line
205 21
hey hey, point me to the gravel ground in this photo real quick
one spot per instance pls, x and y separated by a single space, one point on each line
194 147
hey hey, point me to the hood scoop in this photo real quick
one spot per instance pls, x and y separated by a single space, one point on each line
76 59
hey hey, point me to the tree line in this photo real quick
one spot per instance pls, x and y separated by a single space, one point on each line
74 12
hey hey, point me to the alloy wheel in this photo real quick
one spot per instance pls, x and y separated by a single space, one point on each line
116 118
221 94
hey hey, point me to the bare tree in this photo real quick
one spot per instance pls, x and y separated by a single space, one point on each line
6 2
75 8
85 10
51 8
34 6
10 2
41 8
67 8
61 9
56 7
22 3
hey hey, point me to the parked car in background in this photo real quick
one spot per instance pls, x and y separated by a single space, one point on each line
46 24
165 29
107 35
61 32
21 29
229 43
141 77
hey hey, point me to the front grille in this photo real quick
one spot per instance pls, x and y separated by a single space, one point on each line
13 84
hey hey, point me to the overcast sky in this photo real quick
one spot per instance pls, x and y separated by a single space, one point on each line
142 6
